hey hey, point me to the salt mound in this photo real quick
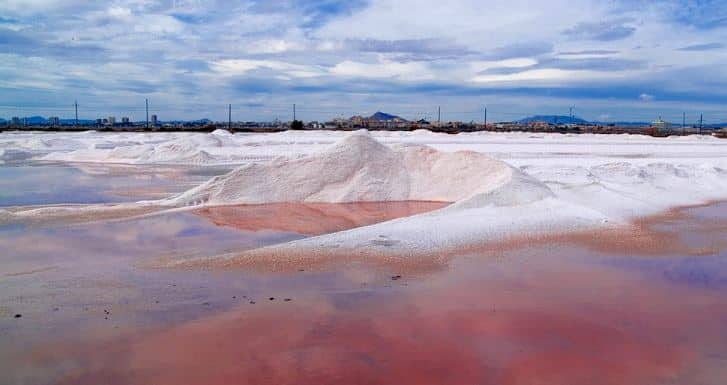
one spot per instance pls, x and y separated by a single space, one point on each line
221 132
360 169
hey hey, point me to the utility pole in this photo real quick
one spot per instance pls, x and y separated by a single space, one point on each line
146 101
294 112
75 104
485 118
684 123
570 115
229 117
701 120
439 115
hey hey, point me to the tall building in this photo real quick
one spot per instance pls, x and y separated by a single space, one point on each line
111 120
153 120
54 121
125 121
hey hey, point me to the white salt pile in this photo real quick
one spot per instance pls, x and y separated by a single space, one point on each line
491 199
559 182
359 168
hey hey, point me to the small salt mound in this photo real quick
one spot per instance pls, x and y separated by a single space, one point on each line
360 169
221 132
186 149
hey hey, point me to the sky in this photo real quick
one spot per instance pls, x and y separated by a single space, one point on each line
609 60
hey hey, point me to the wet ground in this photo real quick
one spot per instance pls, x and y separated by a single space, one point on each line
643 307
57 183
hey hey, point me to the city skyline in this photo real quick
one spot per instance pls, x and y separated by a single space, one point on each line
617 61
434 117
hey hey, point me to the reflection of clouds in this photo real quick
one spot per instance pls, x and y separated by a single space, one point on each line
90 183
94 243
548 313
556 321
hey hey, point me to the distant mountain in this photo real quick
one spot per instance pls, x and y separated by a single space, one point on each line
552 119
384 117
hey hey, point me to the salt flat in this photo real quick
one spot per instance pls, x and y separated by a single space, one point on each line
501 184
220 147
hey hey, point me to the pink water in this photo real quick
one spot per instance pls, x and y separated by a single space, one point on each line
642 308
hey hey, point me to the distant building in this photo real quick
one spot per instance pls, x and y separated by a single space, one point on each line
100 121
421 123
358 121
125 121
661 125
54 121
111 120
15 121
154 120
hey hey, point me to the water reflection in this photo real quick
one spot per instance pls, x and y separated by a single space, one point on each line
49 183
530 318
312 218
568 310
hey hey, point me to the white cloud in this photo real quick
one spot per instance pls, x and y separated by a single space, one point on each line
543 74
478 66
401 71
158 24
644 97
274 46
243 66
120 13
188 45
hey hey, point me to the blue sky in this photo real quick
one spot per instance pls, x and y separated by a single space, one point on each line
611 60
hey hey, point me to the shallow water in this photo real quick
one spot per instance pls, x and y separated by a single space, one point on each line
56 183
567 311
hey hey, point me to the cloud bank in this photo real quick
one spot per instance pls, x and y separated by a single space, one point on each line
334 58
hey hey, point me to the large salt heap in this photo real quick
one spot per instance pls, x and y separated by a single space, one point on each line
360 169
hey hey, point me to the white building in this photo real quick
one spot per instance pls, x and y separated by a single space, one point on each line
661 125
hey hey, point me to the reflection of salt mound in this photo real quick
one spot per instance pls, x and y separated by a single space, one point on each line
358 168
